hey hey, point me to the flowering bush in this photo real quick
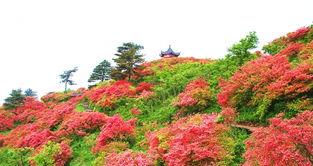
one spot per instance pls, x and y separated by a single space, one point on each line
143 86
284 142
194 140
291 50
80 123
274 79
115 128
135 111
55 116
54 98
196 94
298 33
52 154
304 35
228 115
6 121
36 138
28 135
106 95
128 158
146 94
30 111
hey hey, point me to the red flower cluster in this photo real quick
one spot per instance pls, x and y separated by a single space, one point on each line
298 33
135 111
128 158
228 115
196 93
143 86
28 135
193 140
6 121
54 98
106 95
30 111
55 116
58 153
116 128
80 123
274 78
36 138
146 94
291 50
63 156
284 142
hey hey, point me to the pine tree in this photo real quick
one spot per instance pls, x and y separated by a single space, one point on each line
29 92
101 72
128 57
66 77
15 99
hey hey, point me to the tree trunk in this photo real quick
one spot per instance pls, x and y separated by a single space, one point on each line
65 86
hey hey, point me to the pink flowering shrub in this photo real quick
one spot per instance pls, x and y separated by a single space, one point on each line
105 96
52 153
36 138
298 33
63 156
115 128
55 116
128 158
228 114
196 94
28 135
143 86
146 94
275 79
30 111
81 123
283 142
54 98
291 50
196 140
135 111
6 120
302 35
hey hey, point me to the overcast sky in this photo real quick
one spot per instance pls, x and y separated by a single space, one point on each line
40 39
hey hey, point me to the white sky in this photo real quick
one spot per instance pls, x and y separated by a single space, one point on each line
40 39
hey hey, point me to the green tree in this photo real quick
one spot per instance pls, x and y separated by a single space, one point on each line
240 52
101 72
29 92
15 99
66 77
128 57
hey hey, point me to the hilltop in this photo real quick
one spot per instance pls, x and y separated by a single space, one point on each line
249 108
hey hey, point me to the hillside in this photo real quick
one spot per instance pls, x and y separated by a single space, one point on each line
249 108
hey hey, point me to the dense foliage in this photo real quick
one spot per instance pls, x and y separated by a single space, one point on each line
128 58
197 140
272 83
175 111
283 142
101 72
14 100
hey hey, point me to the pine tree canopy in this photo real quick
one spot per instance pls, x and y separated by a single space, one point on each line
128 58
101 72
